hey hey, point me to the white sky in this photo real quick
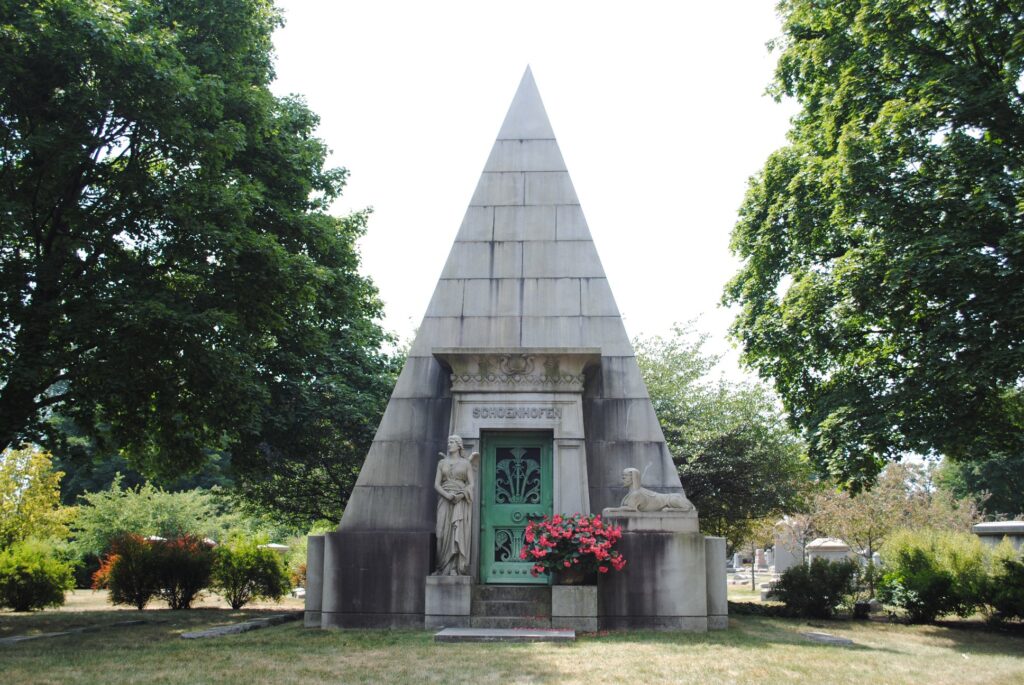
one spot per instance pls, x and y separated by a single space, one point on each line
658 107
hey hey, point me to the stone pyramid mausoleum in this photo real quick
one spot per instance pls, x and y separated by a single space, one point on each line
522 352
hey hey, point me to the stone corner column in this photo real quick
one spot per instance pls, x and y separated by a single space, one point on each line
717 586
314 580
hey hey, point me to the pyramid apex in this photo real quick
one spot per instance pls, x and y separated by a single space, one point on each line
526 118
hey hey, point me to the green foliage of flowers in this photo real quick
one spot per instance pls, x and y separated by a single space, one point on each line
32 576
817 589
243 571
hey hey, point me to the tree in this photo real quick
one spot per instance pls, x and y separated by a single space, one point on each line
882 285
148 511
30 497
170 279
737 459
903 498
996 483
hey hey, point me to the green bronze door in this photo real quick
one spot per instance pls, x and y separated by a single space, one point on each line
516 485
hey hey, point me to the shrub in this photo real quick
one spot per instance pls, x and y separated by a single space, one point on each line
931 573
32 577
129 571
1006 590
183 567
243 571
816 590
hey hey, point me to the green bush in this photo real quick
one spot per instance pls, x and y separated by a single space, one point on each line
816 590
129 571
931 573
183 568
1006 590
33 577
243 571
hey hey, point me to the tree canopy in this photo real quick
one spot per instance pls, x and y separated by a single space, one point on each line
170 279
882 285
737 459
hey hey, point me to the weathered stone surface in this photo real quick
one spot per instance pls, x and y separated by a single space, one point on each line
574 607
447 298
477 225
525 155
447 601
597 299
828 639
570 224
556 259
500 188
524 223
551 297
655 521
717 584
663 586
493 297
314 580
549 188
526 118
363 572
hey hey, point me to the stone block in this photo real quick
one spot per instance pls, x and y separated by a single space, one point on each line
607 333
663 586
619 378
717 583
400 463
391 507
525 155
447 601
499 189
552 331
570 224
477 224
572 494
493 297
506 260
549 188
415 418
548 259
421 377
314 580
597 298
490 331
447 298
551 297
622 419
468 260
524 223
374 579
574 607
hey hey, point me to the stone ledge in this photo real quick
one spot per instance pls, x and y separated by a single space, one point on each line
663 521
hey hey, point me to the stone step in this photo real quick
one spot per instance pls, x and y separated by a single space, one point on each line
504 635
509 593
511 608
509 622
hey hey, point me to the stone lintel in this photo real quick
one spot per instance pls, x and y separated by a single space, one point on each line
541 369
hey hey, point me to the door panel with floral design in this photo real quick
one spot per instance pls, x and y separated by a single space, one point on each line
516 485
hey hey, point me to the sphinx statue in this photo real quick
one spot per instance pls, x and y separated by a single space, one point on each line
641 499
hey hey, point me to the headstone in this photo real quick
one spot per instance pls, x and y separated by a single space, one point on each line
829 549
759 558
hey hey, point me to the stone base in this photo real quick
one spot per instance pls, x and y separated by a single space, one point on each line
314 580
311 619
689 624
448 600
717 587
374 579
718 622
664 583
574 607
666 521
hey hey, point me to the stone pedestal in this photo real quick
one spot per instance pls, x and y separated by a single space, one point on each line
574 607
717 585
447 601
664 583
314 580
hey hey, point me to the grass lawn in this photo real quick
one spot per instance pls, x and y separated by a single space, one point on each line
754 649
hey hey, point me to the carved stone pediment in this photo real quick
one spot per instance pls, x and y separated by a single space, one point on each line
518 369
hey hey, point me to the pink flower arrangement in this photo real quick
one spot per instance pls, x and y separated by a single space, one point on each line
578 542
